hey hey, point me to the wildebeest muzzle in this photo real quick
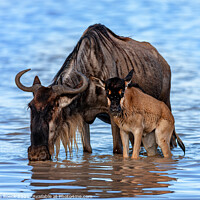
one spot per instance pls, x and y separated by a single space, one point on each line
38 153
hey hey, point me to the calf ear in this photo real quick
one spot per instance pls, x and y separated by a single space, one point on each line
98 82
128 78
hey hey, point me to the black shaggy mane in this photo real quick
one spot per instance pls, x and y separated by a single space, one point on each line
94 32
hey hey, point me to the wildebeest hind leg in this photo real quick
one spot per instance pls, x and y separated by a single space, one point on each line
86 138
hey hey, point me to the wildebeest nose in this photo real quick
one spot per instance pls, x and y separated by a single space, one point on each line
38 153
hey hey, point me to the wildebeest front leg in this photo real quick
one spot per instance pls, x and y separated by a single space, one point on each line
86 138
117 142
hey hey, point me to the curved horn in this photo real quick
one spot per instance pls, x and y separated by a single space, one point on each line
21 86
62 89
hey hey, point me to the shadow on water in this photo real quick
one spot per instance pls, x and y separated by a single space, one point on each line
102 176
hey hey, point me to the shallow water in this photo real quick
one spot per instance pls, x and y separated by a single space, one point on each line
39 35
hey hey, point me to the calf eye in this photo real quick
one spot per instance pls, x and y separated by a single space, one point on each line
121 92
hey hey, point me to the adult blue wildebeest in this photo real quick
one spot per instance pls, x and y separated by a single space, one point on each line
73 100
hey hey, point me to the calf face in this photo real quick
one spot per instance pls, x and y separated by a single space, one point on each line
115 88
115 92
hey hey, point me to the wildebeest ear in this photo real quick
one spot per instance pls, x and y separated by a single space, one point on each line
65 101
98 82
128 78
36 80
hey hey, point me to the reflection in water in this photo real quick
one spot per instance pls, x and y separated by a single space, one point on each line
103 176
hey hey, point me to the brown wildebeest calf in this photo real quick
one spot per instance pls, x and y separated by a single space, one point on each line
138 113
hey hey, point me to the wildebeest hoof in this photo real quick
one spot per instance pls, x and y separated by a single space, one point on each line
87 149
117 151
38 153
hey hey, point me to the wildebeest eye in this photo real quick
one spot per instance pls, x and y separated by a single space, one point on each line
108 92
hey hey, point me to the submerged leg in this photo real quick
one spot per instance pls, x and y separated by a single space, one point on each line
86 138
150 145
117 142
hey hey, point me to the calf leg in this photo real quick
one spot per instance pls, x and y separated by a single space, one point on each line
117 142
137 143
125 142
150 145
86 138
163 134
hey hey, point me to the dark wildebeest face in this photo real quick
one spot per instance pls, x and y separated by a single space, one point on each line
115 88
46 114
42 107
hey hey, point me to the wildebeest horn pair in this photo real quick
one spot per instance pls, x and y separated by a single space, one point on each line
59 89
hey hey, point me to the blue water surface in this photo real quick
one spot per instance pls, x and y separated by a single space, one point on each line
40 35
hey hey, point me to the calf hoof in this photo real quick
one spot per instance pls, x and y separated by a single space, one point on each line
135 157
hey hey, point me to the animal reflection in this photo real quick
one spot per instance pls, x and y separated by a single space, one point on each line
107 177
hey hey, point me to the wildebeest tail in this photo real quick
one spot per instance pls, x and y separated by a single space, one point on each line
180 142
